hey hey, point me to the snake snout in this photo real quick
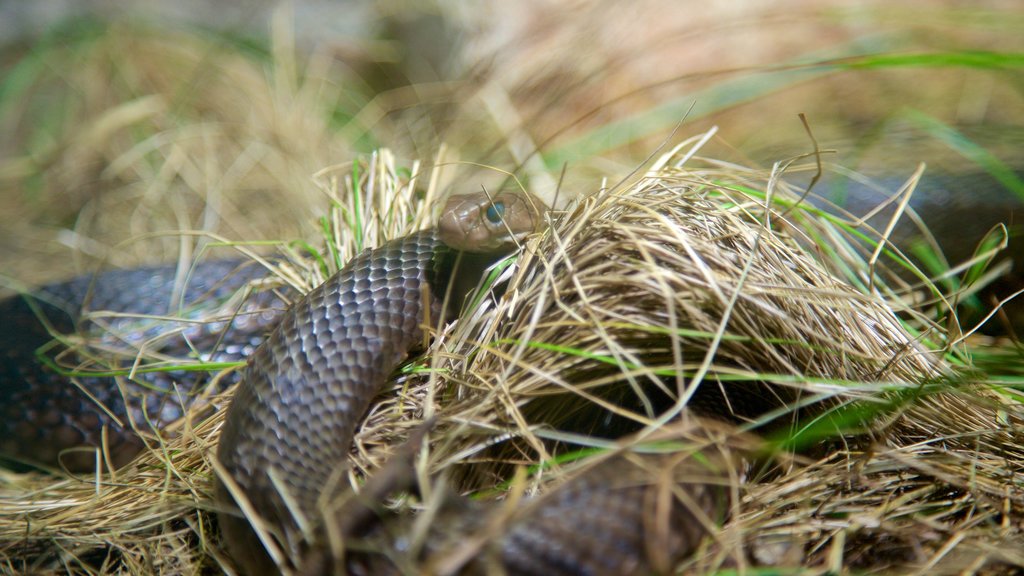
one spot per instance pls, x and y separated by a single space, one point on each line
450 226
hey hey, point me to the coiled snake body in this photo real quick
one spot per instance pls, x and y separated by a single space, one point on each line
288 431
289 428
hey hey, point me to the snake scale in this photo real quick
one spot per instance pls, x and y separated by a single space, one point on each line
289 429
309 383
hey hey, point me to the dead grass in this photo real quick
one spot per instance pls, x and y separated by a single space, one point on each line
609 321
122 139
693 271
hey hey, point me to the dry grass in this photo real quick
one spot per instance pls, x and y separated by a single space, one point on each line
608 322
130 145
694 271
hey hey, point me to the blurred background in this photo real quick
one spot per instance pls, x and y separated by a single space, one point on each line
126 123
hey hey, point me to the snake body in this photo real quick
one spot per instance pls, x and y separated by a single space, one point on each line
46 417
289 428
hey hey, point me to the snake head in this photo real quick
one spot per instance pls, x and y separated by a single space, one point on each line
482 222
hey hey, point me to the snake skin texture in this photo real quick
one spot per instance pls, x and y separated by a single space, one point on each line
304 389
44 415
614 508
289 430
290 425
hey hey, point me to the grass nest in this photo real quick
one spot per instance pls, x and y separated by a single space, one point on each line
859 436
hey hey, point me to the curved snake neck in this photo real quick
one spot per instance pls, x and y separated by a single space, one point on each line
288 431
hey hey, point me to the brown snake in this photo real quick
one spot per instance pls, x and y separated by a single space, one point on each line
288 433
304 389
289 429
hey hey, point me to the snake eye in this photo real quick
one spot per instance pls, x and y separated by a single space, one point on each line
495 212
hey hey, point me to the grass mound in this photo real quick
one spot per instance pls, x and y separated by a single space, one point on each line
691 286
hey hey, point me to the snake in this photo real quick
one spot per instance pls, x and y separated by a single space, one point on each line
289 428
305 385
287 433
